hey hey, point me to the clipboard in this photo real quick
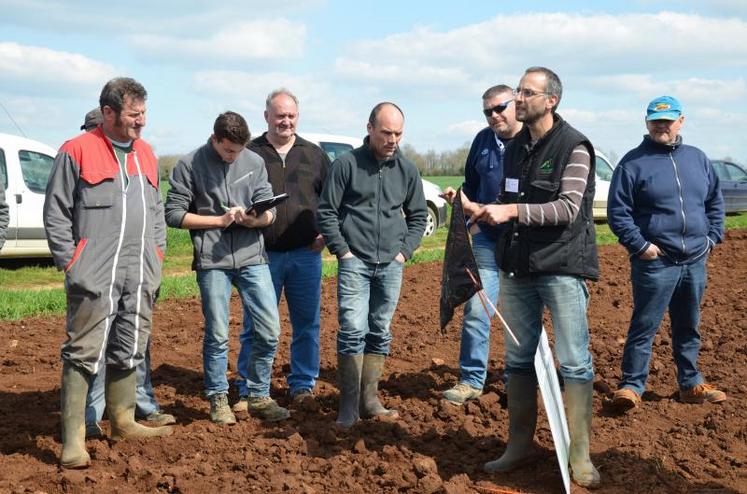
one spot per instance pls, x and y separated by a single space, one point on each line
260 207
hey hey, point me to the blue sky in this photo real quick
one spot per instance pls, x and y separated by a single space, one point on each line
198 58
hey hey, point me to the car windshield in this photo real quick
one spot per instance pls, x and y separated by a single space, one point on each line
335 149
603 169
729 171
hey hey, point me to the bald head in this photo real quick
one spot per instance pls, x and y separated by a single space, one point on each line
385 127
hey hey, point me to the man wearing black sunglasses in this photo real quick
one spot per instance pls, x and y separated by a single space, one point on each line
483 173
546 254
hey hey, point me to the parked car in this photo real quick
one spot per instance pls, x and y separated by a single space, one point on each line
335 145
733 180
603 177
25 165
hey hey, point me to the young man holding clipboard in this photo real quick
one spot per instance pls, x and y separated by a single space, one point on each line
211 189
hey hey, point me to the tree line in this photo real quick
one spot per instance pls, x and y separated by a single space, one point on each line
431 163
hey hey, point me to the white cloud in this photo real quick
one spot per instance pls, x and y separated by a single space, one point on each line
37 69
259 39
569 43
322 107
466 129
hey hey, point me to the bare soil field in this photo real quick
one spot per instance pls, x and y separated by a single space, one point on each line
664 447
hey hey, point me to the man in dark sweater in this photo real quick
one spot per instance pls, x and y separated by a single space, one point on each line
666 208
293 243
547 252
372 214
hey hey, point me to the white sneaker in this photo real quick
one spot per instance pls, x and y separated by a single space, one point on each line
461 393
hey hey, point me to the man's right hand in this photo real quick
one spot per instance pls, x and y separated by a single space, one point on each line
230 216
347 255
652 252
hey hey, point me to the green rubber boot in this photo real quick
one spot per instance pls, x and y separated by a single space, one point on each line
373 366
522 420
120 405
73 408
578 403
349 382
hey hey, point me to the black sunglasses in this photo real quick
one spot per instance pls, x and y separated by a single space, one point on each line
498 109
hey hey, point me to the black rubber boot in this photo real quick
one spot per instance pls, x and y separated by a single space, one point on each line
120 405
349 382
73 408
371 406
578 398
522 420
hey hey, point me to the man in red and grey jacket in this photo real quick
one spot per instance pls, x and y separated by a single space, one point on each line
105 226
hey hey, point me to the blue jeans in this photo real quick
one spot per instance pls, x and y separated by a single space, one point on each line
657 285
299 271
261 325
145 400
367 295
523 301
475 345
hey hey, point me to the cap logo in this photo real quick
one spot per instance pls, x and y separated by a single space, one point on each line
662 106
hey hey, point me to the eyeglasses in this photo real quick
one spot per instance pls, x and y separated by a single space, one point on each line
528 93
497 109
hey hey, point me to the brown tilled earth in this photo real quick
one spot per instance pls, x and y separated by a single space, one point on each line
664 447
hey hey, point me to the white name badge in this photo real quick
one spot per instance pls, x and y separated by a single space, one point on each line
512 185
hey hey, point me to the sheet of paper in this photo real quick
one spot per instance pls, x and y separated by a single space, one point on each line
549 386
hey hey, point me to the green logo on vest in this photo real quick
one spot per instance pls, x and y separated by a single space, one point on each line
546 166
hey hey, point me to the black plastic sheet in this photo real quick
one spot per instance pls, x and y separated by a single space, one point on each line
457 286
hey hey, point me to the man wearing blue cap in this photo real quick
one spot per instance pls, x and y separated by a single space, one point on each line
666 208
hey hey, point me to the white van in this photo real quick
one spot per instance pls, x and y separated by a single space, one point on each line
25 165
335 145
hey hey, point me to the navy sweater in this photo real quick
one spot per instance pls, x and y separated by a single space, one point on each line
667 195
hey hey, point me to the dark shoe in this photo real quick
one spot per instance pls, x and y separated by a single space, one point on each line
370 405
522 420
160 418
220 412
73 415
93 431
624 399
302 395
461 393
702 393
120 405
267 409
349 368
578 397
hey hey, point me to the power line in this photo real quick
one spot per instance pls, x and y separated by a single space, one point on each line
13 120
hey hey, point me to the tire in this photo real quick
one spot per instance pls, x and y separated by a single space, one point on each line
431 222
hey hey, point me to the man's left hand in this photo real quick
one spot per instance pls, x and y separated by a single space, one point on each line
400 258
251 220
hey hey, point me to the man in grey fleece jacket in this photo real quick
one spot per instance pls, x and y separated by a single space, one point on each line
360 215
211 189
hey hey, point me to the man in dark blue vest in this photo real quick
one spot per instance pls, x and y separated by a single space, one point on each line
546 254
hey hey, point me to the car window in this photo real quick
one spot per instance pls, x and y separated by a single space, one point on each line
735 172
720 169
335 149
35 168
603 169
3 170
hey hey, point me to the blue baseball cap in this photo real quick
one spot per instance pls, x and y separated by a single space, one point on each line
664 108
